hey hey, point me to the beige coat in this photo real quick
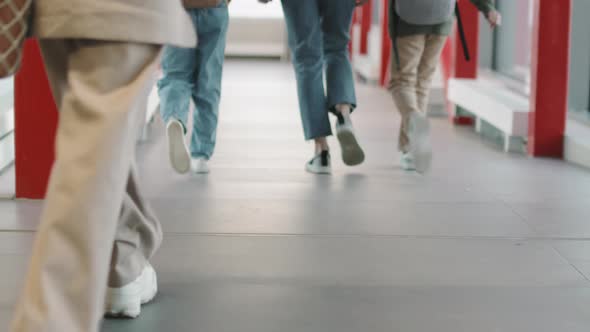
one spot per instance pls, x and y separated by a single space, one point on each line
144 21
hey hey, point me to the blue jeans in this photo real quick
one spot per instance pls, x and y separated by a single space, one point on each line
196 73
319 33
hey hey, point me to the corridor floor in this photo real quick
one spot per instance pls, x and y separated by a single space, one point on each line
487 242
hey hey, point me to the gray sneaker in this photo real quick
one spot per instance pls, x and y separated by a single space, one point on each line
352 153
419 147
407 162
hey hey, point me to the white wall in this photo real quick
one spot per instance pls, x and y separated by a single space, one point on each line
256 29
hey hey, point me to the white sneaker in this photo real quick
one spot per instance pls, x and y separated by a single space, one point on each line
199 165
177 149
419 147
125 302
407 162
352 153
320 164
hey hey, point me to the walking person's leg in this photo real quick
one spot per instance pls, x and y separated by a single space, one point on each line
336 22
413 137
137 239
427 68
174 89
99 90
305 41
212 27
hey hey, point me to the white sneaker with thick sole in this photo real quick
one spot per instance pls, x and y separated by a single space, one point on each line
177 148
320 164
125 302
419 146
407 162
199 165
352 153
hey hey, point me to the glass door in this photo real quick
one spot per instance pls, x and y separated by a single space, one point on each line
513 40
6 123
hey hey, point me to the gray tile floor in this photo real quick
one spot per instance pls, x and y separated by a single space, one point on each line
487 242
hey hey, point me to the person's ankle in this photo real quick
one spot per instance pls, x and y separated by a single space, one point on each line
319 149
321 146
343 109
343 113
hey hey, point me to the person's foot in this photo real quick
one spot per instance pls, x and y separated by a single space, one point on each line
407 162
352 153
200 165
419 137
125 302
177 149
320 164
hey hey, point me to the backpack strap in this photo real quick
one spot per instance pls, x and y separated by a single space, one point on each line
462 33
395 24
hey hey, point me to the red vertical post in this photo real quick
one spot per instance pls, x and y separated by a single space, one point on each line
35 125
366 11
549 77
470 17
453 60
385 43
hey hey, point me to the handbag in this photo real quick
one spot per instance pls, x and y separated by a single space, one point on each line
15 20
192 4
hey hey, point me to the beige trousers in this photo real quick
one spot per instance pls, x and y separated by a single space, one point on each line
410 84
100 88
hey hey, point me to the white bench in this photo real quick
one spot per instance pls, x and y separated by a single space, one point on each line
577 142
493 103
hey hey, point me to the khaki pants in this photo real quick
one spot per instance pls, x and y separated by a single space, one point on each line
100 89
410 84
